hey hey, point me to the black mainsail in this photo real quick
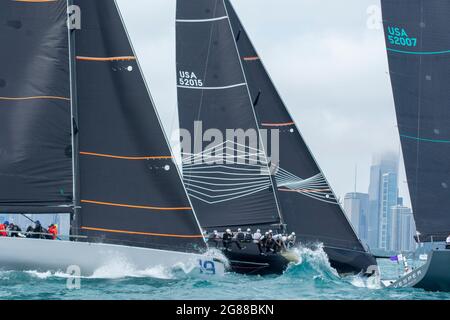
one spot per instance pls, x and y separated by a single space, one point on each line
128 190
213 96
35 127
418 46
309 206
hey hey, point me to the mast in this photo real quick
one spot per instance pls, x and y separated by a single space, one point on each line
75 222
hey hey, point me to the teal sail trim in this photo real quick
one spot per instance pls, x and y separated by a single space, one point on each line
424 139
419 52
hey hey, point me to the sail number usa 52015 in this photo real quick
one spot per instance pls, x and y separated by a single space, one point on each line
189 79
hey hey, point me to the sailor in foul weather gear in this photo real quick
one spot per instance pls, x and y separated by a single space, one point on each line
214 238
39 231
4 229
14 230
291 240
447 243
248 236
53 231
226 239
238 238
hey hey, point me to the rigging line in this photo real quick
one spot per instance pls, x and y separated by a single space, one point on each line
257 170
142 233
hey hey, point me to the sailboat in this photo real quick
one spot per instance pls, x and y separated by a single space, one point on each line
233 90
418 42
79 134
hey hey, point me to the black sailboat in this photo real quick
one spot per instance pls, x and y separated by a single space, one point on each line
418 47
233 90
79 134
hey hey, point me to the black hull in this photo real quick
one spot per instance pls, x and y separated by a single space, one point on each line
351 262
250 261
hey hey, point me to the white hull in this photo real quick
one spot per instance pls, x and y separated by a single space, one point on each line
21 254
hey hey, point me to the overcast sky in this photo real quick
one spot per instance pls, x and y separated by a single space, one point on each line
327 59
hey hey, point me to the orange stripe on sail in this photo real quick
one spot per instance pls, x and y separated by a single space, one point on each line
34 98
124 157
251 58
111 204
122 58
283 124
143 233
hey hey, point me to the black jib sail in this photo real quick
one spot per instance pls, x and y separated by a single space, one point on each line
418 45
35 128
131 191
226 173
308 204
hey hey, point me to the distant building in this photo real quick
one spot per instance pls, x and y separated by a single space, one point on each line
356 206
384 164
403 229
388 197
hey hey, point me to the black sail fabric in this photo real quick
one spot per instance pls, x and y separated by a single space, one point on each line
212 92
131 190
308 204
35 110
418 46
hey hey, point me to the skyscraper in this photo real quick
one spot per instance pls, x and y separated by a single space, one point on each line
403 229
356 206
382 164
388 198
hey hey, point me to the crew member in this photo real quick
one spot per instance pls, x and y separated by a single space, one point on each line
29 232
270 242
248 236
238 238
39 231
4 229
14 230
53 231
226 239
291 240
214 237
